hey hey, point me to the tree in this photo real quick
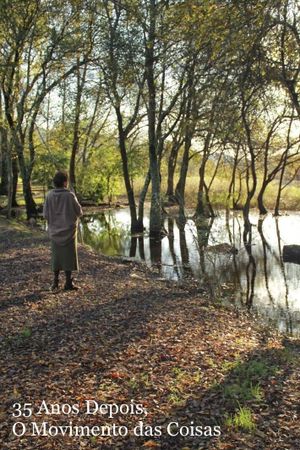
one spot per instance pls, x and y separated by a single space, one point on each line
35 44
119 61
281 49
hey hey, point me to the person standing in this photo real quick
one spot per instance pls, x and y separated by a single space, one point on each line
62 210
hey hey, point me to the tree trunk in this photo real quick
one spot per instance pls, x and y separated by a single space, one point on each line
75 143
155 210
4 167
15 175
201 208
231 188
25 171
18 143
29 201
236 200
4 176
260 200
180 188
9 178
208 202
278 197
171 172
250 170
136 225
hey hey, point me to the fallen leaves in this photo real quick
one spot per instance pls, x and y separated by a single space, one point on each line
151 444
126 336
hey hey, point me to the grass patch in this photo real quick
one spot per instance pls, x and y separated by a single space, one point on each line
243 386
176 399
140 382
25 333
254 369
18 340
244 379
289 356
242 419
244 391
182 381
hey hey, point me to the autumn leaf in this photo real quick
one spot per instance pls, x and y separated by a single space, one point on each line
151 444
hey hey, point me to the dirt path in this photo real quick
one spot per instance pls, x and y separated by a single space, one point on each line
127 338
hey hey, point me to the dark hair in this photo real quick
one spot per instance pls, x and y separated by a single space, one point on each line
59 179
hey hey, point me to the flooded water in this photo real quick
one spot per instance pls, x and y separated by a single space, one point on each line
253 276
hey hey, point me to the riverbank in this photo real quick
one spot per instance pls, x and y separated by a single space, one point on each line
127 337
218 196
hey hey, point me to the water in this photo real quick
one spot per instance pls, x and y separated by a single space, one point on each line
255 277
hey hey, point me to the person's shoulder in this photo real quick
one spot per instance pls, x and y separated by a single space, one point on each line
63 191
49 193
71 194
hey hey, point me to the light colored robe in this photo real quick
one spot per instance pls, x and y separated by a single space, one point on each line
62 210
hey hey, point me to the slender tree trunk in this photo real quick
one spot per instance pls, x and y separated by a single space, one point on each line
4 167
171 172
251 170
75 143
180 188
232 184
18 143
28 196
63 105
246 210
260 199
184 252
25 171
9 177
235 200
155 210
15 175
189 128
210 209
201 208
278 197
4 176
283 167
136 225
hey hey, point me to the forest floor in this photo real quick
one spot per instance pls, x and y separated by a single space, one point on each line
127 338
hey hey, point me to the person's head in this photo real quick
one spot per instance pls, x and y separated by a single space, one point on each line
60 179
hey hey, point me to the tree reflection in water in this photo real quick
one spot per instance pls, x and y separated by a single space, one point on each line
286 311
251 265
254 277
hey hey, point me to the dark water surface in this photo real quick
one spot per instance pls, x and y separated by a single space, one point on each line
255 277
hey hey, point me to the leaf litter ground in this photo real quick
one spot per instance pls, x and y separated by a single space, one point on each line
127 336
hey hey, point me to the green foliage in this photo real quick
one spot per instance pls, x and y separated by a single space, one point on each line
101 176
91 184
98 177
53 155
46 166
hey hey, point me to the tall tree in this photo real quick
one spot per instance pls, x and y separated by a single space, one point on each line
35 43
123 75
